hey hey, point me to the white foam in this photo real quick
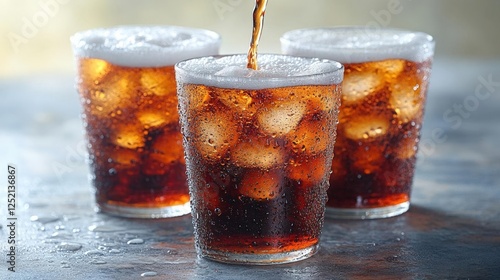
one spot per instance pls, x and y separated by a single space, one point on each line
145 46
274 71
358 44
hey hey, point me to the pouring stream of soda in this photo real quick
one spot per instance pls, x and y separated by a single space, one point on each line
258 22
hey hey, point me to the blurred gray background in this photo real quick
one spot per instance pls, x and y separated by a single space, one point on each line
35 33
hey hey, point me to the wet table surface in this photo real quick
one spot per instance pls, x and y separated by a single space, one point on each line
452 230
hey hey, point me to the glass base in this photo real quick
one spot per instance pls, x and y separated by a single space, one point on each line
367 213
260 259
145 213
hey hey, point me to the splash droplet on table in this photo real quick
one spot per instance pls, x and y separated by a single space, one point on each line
135 241
94 253
149 274
104 228
97 262
69 246
44 220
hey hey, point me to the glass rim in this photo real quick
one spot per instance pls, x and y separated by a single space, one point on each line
187 73
417 45
114 45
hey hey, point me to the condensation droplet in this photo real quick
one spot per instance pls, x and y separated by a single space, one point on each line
218 211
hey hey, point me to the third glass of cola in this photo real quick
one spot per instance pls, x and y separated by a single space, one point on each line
384 90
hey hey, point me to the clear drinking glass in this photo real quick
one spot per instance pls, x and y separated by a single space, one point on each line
259 145
127 87
383 96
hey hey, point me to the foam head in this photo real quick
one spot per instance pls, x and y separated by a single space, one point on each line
358 44
274 71
145 46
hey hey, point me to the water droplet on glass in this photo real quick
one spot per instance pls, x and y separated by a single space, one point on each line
218 211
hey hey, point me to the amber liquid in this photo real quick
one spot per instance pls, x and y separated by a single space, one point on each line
378 132
258 24
259 183
135 145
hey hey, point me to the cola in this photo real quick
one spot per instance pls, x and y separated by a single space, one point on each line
259 145
383 97
126 83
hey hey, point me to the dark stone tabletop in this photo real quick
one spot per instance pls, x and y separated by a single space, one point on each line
452 230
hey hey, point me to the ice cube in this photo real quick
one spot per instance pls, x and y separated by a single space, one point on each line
261 185
323 98
366 127
117 91
151 118
258 153
167 147
406 99
124 157
214 134
92 71
281 117
368 157
195 95
165 150
407 147
158 81
392 67
311 136
128 135
358 85
238 100
308 172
